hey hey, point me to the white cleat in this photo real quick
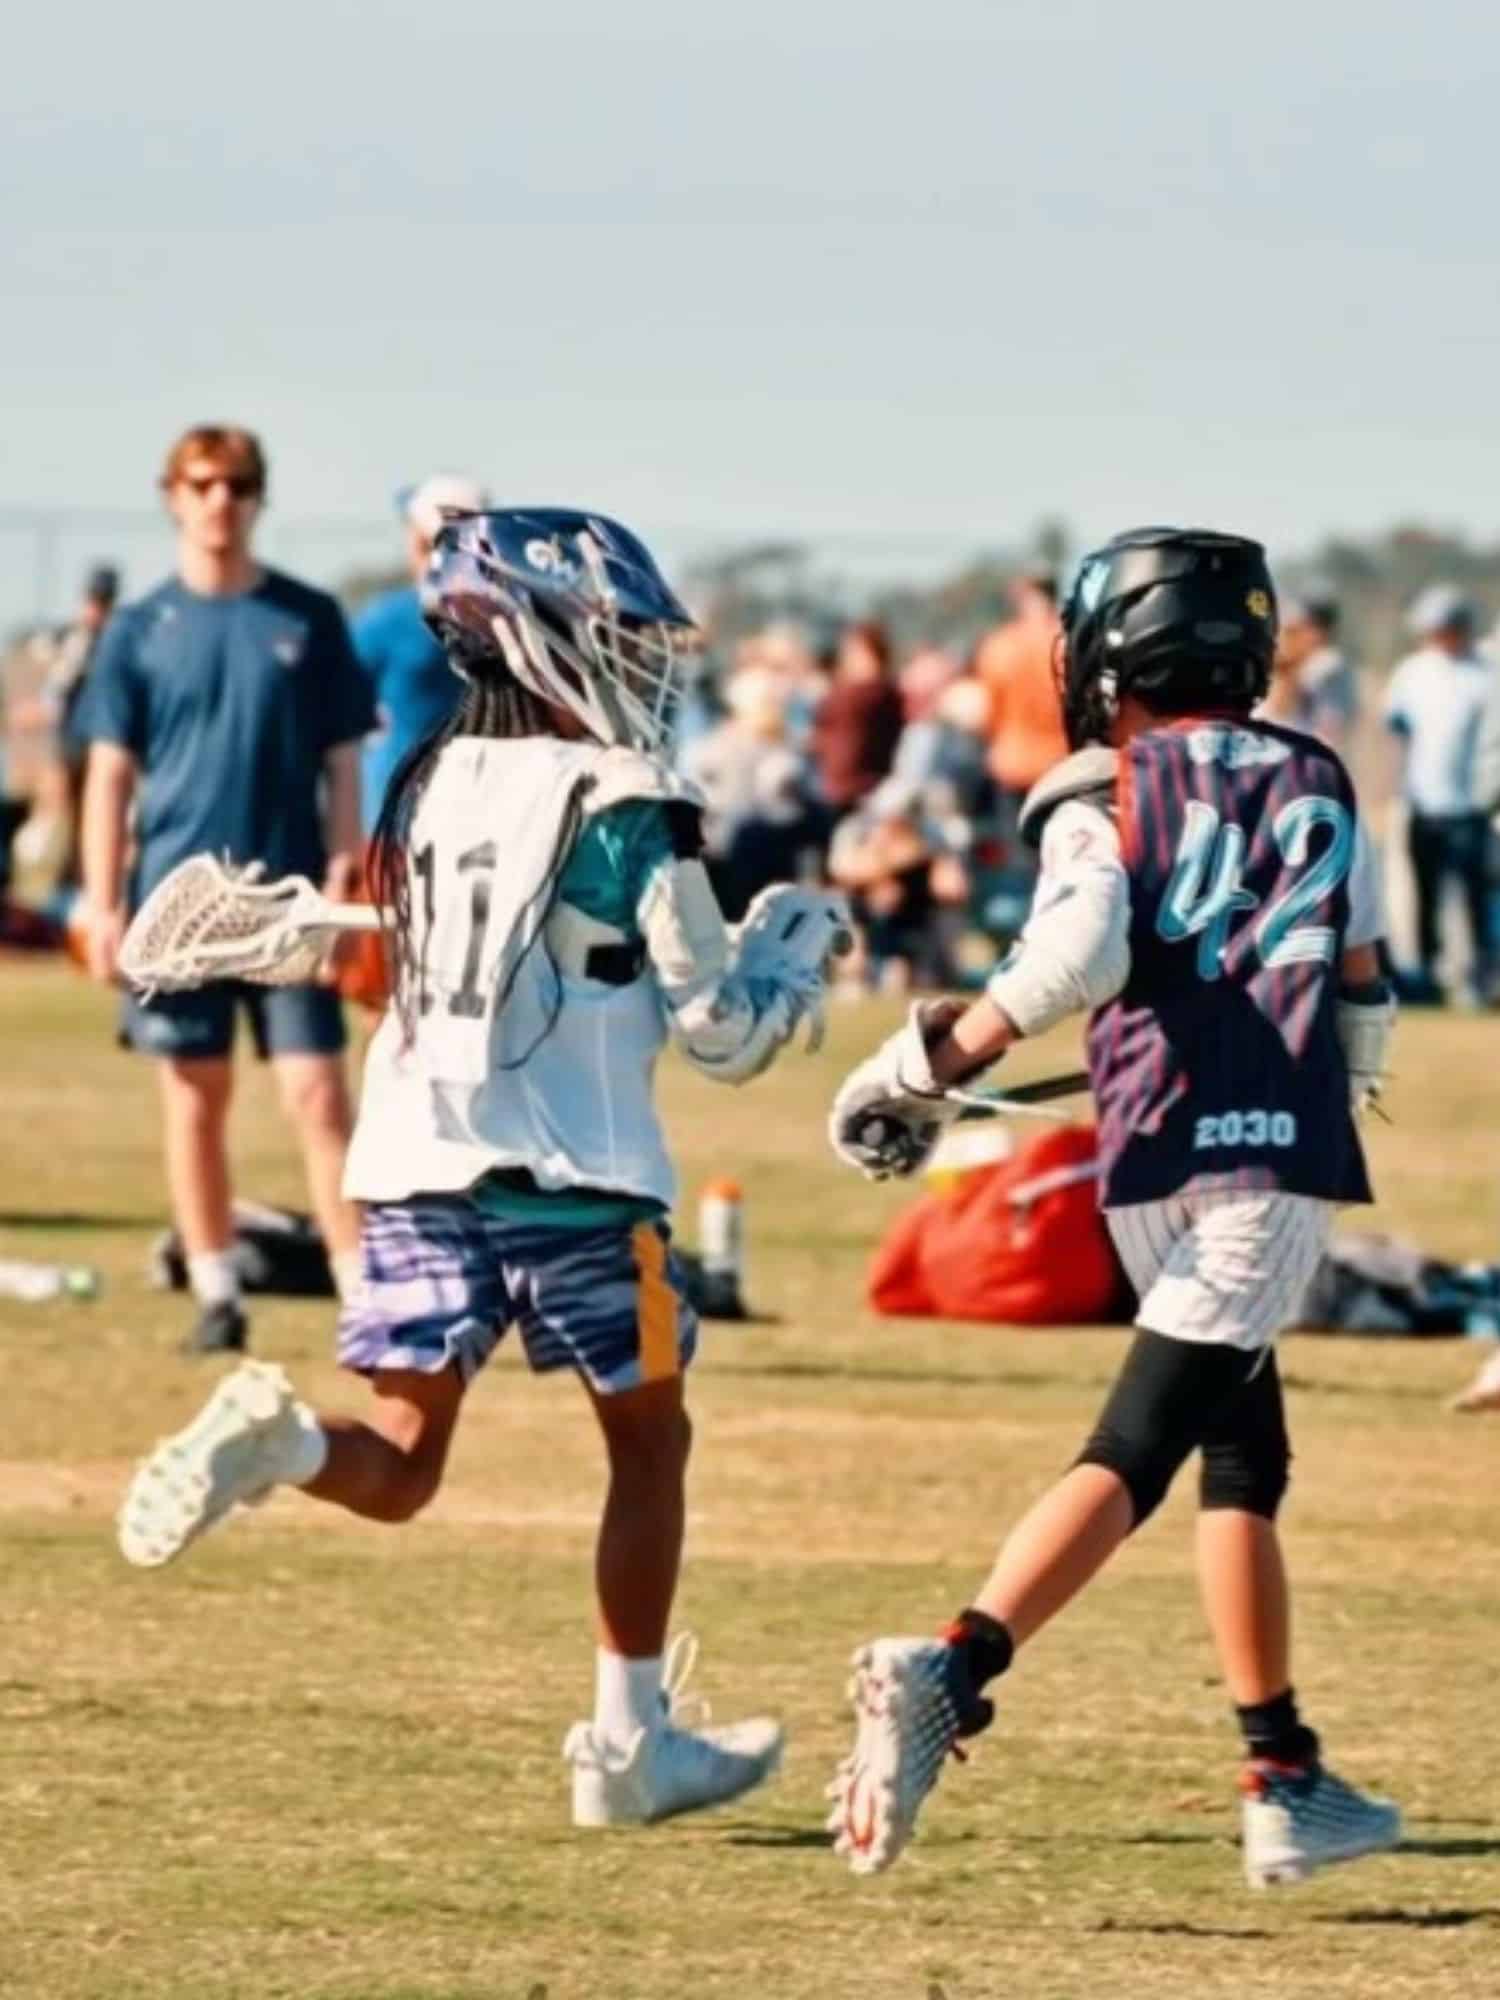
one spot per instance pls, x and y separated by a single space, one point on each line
242 1442
667 1768
663 1770
1483 1393
908 1717
1295 1822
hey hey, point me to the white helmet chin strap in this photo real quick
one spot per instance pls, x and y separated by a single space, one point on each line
595 690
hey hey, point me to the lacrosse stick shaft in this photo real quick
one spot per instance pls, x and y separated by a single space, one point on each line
346 917
1024 1097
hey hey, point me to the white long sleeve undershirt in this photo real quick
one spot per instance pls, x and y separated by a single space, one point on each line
1074 954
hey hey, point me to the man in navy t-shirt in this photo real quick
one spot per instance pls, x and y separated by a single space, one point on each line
227 707
414 687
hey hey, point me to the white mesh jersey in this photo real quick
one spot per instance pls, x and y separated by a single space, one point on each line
519 1059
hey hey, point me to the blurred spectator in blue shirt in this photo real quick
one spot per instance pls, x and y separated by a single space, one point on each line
415 689
49 839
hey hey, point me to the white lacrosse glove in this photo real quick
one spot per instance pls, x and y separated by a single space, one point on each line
890 1112
784 946
1365 1022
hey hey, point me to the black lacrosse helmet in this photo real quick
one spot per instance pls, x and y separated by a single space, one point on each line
1183 618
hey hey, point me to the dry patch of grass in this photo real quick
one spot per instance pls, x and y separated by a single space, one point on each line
317 1760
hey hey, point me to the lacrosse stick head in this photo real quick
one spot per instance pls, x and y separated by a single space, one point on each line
208 920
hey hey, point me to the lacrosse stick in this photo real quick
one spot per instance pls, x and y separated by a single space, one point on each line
1025 1100
208 920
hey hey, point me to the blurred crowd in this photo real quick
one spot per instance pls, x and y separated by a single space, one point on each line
898 779
235 710
901 778
825 753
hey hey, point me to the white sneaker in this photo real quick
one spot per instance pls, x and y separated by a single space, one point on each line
668 1769
1483 1393
1297 1821
242 1442
909 1714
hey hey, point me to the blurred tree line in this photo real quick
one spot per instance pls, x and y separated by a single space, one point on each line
739 590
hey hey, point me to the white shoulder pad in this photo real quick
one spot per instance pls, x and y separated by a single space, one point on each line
621 773
1087 774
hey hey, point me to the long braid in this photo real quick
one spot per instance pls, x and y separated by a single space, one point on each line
493 704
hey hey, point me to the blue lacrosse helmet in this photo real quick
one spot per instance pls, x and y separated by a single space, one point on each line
574 606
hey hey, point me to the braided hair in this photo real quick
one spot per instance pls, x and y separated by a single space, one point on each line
494 704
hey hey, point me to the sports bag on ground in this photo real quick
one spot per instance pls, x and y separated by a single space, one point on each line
1020 1242
274 1249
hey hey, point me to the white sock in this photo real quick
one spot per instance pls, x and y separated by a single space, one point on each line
310 1453
348 1273
213 1277
627 1695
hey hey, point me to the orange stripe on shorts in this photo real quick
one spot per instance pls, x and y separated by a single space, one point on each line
656 1305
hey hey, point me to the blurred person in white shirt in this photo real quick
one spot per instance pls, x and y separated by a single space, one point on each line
1435 706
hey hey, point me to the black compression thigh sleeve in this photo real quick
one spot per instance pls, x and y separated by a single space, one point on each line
1246 1456
1172 1396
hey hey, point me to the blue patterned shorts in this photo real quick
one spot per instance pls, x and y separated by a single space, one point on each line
442 1281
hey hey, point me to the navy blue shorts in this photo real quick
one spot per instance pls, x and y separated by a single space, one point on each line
441 1281
284 1021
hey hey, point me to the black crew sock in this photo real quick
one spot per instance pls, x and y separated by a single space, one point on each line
983 1644
1274 1729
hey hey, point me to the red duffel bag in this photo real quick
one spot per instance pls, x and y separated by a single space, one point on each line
1019 1241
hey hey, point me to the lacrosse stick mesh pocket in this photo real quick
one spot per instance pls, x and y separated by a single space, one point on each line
206 921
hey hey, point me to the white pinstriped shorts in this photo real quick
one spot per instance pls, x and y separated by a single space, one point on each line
1226 1269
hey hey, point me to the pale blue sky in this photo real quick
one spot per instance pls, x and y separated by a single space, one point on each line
840 268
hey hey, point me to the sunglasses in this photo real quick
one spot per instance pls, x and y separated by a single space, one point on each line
243 485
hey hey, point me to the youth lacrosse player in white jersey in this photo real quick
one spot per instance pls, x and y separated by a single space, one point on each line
550 923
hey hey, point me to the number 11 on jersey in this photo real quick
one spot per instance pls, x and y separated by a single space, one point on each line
476 867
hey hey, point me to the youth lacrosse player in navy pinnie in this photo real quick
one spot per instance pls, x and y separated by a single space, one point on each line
551 924
1208 894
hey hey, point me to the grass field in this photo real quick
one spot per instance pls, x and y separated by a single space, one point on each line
320 1761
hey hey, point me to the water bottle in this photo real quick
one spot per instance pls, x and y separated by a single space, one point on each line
721 1230
721 1249
34 1283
